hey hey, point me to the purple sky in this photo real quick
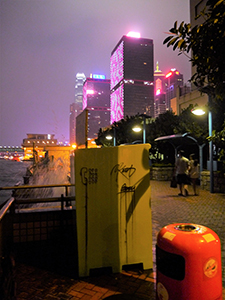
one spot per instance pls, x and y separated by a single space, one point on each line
44 43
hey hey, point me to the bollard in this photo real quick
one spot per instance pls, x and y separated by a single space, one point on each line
188 261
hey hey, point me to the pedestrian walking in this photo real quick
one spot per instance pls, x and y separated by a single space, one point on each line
194 173
181 167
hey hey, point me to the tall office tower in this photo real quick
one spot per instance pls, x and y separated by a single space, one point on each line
160 104
96 100
74 112
173 80
76 107
159 92
131 69
80 79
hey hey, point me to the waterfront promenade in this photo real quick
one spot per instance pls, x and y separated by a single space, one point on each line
167 207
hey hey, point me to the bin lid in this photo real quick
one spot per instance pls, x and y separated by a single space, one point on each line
187 227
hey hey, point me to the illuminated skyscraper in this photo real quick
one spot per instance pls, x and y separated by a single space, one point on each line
159 92
96 93
76 107
96 103
173 80
80 79
131 68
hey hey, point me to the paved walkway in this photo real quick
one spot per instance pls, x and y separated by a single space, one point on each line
167 207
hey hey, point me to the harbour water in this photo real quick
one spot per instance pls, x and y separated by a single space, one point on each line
11 172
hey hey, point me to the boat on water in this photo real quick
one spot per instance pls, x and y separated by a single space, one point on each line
12 157
17 157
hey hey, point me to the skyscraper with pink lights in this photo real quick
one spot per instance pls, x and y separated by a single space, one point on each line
96 100
132 79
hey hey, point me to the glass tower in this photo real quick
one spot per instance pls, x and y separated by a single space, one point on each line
132 79
76 107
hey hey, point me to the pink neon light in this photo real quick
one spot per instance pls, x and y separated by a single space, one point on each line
90 92
116 103
134 34
116 65
85 96
158 92
169 74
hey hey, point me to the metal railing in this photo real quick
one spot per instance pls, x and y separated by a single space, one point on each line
34 200
12 217
20 187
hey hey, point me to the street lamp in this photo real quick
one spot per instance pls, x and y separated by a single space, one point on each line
138 129
109 137
199 112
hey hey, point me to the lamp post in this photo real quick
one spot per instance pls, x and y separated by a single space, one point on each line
210 149
200 112
109 137
138 129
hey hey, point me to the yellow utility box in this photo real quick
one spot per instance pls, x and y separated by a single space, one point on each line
113 196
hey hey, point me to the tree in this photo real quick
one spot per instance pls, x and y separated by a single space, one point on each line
123 131
196 125
205 46
165 124
206 42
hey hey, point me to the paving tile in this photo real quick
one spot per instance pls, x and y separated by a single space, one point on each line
75 294
167 208
86 297
88 292
100 289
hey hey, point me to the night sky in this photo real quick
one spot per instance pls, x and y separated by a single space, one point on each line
45 43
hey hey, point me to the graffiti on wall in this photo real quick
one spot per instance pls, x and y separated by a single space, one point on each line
125 171
89 175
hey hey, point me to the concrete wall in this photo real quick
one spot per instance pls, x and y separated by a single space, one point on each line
181 102
219 181
113 207
161 173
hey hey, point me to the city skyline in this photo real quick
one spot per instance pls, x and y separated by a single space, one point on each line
45 44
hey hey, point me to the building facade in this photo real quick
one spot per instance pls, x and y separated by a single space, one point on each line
36 143
173 79
159 92
74 112
132 80
96 108
76 107
190 95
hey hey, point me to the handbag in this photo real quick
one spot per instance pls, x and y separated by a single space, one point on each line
173 183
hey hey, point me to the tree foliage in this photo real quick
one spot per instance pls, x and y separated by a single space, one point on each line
122 130
205 45
195 125
164 125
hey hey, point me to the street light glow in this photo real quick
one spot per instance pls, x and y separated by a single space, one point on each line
198 111
136 129
108 137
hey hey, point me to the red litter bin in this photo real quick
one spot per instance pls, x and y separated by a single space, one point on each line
188 261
